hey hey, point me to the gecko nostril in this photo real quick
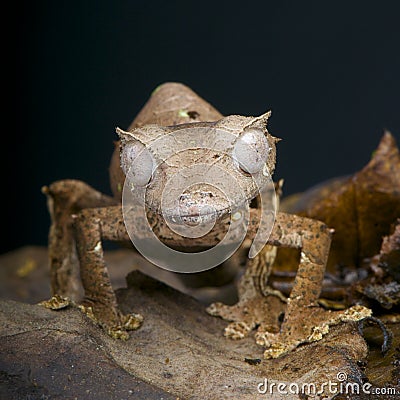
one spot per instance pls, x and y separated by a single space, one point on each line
206 194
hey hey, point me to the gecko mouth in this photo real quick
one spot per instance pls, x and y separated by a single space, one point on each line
202 214
201 205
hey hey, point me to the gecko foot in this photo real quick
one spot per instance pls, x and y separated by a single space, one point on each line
112 321
308 324
129 322
238 330
56 302
264 315
258 312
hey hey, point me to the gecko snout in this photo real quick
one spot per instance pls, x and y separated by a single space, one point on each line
198 204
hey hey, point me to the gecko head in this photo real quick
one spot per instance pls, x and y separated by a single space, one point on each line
193 172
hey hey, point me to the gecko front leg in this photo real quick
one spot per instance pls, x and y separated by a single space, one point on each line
92 226
81 218
304 321
65 198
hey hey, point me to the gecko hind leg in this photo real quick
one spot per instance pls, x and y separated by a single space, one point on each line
259 306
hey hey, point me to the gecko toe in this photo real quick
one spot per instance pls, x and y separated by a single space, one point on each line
56 302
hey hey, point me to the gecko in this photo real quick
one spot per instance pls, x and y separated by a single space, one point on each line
82 218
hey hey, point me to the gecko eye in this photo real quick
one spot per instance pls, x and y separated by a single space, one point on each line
136 158
251 151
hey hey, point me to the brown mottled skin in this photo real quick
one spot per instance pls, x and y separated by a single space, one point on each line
82 218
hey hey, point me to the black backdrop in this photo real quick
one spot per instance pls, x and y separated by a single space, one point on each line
330 72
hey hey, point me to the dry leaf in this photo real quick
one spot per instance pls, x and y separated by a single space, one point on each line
360 208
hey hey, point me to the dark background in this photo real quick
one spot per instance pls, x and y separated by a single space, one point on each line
328 70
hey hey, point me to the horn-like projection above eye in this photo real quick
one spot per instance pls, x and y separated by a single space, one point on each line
137 160
251 150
